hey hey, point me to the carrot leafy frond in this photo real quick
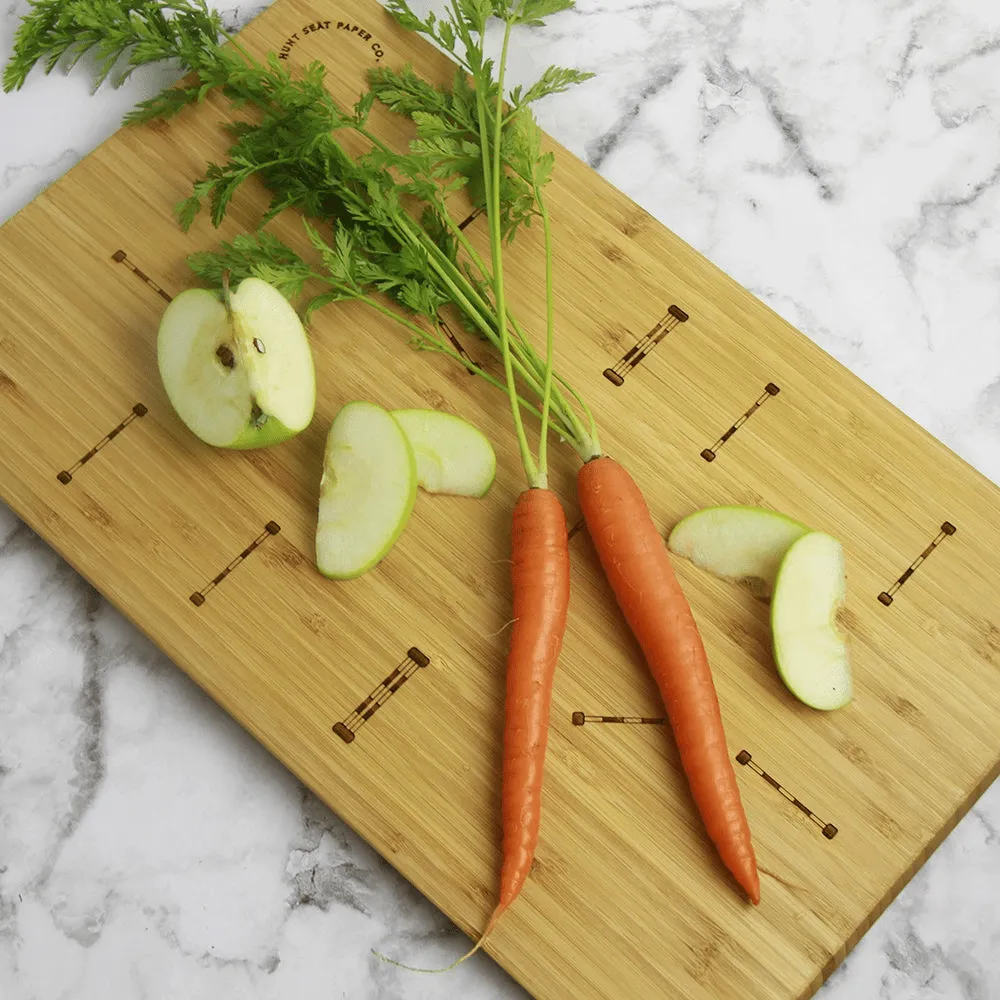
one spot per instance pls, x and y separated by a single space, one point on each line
389 239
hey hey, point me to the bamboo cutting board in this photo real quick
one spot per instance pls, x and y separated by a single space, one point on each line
384 694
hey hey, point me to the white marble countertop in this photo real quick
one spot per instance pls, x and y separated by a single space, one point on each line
841 158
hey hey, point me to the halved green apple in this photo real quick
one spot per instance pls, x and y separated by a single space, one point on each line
239 376
737 543
367 490
810 652
452 455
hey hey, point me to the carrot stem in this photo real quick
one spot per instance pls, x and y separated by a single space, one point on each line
536 476
549 332
472 304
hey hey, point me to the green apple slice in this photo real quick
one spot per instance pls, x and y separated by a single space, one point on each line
810 651
241 377
452 455
737 543
367 490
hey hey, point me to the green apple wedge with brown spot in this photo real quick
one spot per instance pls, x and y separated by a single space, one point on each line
737 543
237 366
810 651
367 490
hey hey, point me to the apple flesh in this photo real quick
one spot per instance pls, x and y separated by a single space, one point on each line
810 652
737 543
367 490
238 377
452 455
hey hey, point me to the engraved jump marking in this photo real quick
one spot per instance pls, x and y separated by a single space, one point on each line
198 597
470 218
66 475
828 829
886 596
674 317
769 390
457 344
412 662
581 718
122 258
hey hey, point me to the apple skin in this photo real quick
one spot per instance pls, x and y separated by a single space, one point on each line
408 503
273 432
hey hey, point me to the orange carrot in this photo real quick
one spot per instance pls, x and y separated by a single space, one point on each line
638 567
540 579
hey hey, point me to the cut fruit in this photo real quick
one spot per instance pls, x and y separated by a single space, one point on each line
810 652
367 490
452 455
241 377
737 543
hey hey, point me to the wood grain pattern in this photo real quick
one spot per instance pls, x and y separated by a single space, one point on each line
627 898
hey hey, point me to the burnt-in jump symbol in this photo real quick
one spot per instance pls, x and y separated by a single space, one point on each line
122 258
66 475
828 829
581 718
413 661
470 218
769 390
887 595
472 367
575 530
674 317
198 597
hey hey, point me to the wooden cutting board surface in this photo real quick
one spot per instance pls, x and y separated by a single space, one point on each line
384 694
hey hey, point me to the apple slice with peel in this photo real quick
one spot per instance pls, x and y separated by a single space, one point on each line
811 653
452 455
367 490
738 543
237 368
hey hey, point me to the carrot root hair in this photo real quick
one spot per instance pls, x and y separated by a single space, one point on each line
503 628
458 961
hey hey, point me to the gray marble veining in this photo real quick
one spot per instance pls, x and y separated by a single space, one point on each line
841 160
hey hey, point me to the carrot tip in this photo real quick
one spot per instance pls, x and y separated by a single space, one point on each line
447 968
413 968
458 961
